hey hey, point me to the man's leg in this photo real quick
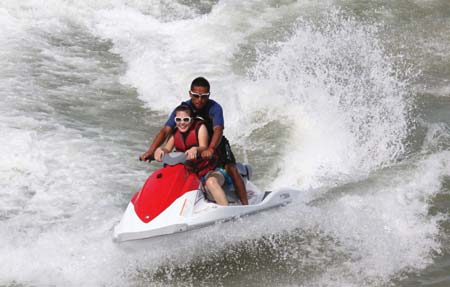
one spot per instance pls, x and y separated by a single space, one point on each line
238 182
229 163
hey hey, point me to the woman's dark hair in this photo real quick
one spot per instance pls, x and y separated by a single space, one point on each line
183 107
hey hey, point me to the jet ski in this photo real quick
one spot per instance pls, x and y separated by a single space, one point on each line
173 200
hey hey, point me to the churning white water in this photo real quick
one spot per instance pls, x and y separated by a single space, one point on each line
313 98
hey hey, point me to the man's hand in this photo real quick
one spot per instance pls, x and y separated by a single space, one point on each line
164 133
145 157
207 154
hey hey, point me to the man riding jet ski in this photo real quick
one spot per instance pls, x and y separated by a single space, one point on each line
211 113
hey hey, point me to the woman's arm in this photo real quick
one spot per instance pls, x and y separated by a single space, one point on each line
203 139
161 151
202 143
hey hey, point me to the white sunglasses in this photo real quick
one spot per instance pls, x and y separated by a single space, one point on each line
186 119
196 95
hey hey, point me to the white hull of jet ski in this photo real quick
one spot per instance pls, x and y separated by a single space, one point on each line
192 210
172 201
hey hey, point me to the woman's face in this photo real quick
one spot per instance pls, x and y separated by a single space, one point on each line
183 121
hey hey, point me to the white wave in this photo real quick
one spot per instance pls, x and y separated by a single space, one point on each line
332 86
386 226
164 57
346 109
57 206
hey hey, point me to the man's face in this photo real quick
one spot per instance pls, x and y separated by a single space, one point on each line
199 96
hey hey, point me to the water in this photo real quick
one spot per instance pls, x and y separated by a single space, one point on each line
345 100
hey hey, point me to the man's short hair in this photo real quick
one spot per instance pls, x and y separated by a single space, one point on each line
200 82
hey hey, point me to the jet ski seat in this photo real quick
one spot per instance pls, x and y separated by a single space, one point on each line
245 170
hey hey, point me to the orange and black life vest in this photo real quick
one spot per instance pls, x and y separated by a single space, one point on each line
189 139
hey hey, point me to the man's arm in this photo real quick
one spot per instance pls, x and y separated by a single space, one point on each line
215 140
157 141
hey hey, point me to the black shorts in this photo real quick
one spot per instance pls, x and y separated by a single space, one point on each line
224 153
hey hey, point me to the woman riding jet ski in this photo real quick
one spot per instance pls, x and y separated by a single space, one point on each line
191 137
187 192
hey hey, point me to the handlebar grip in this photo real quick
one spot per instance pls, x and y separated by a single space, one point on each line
149 159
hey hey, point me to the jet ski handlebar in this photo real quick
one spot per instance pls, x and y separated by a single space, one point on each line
174 158
171 158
